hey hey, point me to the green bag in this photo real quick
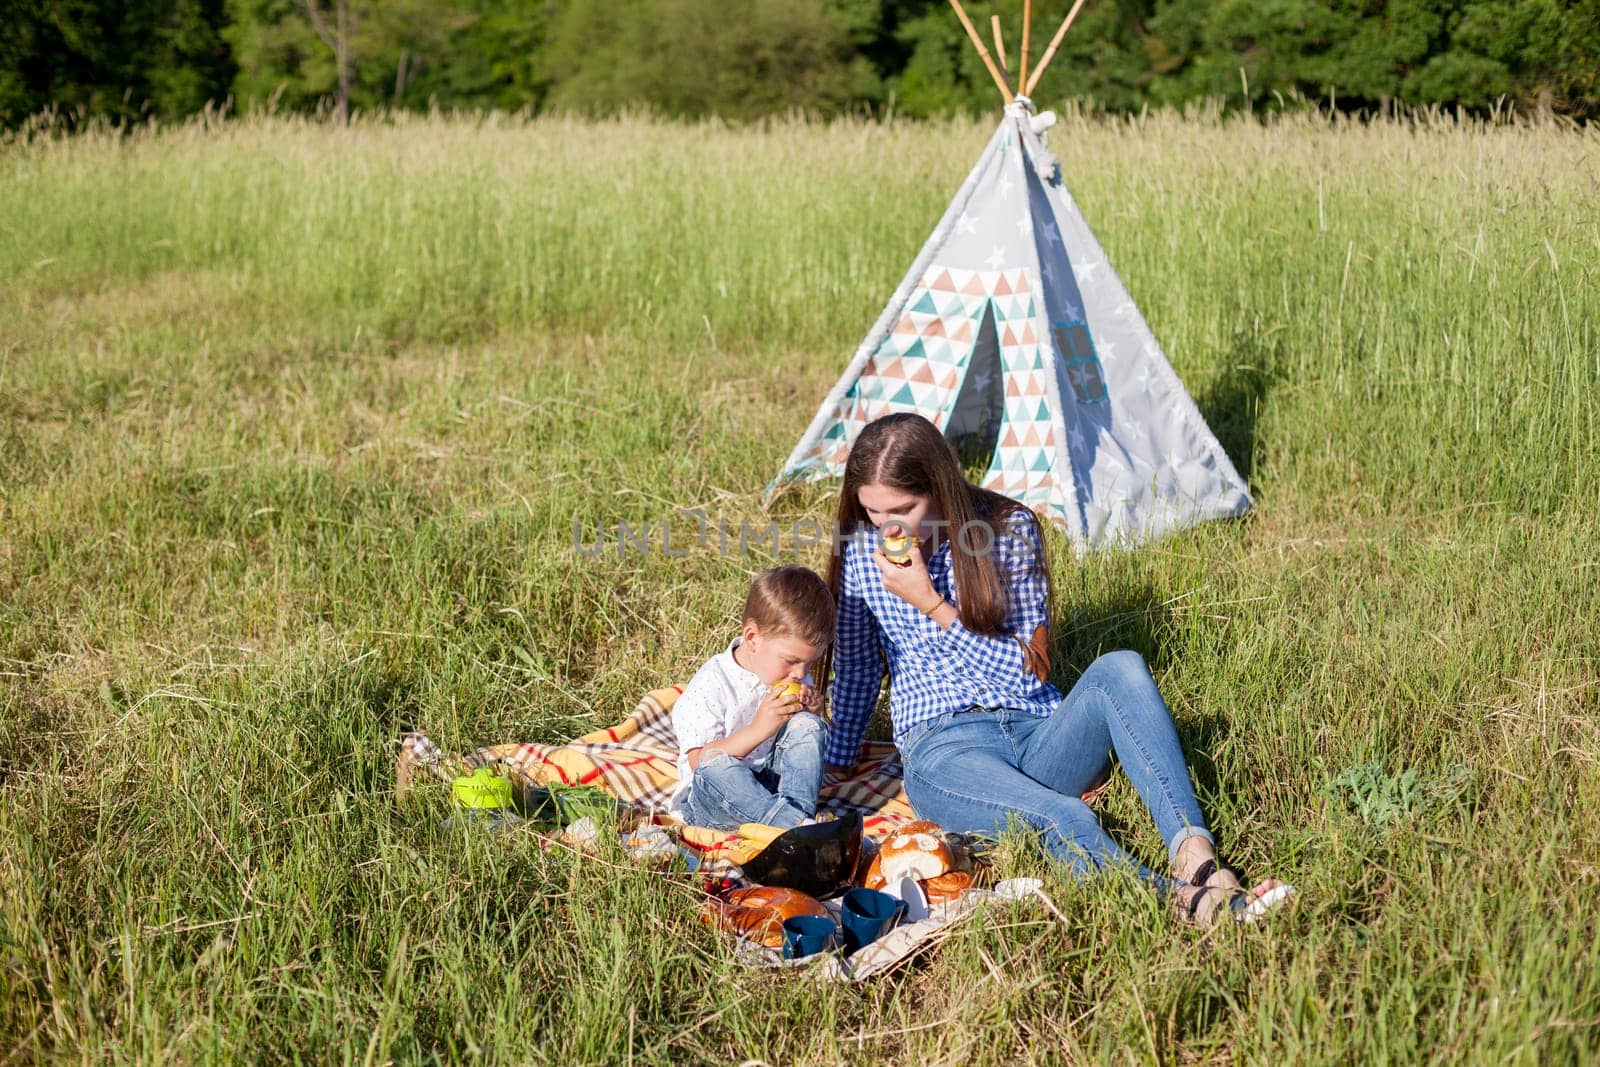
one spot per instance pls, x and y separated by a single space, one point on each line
563 805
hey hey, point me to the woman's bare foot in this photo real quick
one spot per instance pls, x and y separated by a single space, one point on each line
1193 856
1205 905
1195 903
1214 889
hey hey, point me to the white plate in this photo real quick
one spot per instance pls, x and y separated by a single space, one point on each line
1018 888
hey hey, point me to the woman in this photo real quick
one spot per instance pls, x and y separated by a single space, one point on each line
962 629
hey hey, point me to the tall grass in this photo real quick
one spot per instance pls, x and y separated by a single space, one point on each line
296 422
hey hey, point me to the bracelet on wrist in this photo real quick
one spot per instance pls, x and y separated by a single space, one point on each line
929 612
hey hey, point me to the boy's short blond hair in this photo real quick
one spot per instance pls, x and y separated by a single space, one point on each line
791 601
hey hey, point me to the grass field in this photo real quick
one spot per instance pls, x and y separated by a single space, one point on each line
295 425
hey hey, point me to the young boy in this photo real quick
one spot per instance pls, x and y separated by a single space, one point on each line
750 749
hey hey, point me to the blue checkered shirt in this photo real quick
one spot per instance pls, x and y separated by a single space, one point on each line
932 670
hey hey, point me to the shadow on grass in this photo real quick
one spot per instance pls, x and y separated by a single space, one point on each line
1137 620
1231 403
1201 736
1134 619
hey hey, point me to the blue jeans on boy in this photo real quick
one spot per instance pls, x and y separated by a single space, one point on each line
976 769
783 792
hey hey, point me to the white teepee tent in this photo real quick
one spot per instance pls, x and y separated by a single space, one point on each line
1012 326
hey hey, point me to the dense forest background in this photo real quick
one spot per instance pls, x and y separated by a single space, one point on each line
131 59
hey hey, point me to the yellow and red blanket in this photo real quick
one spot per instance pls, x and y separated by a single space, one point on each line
637 761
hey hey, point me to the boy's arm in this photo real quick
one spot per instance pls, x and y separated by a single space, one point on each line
770 717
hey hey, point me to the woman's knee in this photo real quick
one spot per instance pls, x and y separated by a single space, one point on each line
1124 673
1124 663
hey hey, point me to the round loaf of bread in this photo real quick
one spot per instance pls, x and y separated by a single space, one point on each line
758 912
916 850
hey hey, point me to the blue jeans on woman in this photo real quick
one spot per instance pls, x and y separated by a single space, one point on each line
727 791
974 770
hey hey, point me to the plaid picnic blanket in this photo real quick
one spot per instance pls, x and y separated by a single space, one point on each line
637 761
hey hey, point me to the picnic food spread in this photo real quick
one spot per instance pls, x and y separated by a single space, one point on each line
924 860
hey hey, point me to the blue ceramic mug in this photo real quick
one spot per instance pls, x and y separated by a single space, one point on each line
867 915
806 935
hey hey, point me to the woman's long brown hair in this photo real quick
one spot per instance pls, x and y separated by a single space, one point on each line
907 452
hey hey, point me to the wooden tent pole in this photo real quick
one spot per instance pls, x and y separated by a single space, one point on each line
1050 53
1000 46
1027 32
983 53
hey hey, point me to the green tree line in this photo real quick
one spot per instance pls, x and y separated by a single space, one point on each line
134 58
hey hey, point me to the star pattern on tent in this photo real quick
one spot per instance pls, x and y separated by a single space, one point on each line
1146 376
1129 425
1086 269
1052 233
966 223
997 258
1002 188
1024 224
1075 435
